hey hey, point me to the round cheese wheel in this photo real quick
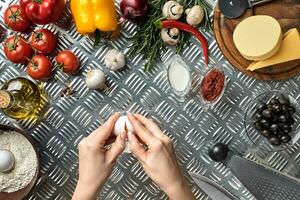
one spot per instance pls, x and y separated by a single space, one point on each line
258 37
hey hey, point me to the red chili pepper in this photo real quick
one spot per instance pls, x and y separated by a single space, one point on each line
169 23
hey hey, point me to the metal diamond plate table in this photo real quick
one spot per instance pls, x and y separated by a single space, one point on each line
192 128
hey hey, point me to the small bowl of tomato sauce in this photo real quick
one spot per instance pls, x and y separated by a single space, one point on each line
212 86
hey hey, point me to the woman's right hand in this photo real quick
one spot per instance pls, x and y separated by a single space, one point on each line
159 161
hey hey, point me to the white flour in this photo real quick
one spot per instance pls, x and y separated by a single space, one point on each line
25 162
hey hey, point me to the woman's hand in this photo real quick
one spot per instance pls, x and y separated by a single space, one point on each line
159 161
96 162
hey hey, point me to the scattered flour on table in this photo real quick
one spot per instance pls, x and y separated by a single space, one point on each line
25 162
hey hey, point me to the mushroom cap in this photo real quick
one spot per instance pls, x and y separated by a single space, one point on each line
172 10
170 36
195 15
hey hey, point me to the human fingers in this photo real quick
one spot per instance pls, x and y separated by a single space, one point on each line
136 147
151 126
144 134
117 148
101 134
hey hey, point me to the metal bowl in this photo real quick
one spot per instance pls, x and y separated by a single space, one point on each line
256 137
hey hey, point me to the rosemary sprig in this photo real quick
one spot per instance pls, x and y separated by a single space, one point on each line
147 41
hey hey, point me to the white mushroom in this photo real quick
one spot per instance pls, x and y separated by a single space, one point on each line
114 59
95 79
194 15
170 36
172 10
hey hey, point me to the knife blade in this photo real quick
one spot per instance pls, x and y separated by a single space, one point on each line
264 182
212 189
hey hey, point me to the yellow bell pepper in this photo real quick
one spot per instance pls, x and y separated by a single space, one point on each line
90 15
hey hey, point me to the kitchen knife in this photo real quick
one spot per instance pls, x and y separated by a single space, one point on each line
235 8
264 182
212 189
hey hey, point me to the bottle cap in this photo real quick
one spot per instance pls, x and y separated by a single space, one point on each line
5 99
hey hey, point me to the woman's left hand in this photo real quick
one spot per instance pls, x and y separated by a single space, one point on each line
96 162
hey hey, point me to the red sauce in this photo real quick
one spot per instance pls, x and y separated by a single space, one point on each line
212 85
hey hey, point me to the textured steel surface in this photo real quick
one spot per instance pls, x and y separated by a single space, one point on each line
192 128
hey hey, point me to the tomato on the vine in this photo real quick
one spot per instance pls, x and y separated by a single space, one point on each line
15 17
16 49
67 61
39 67
43 41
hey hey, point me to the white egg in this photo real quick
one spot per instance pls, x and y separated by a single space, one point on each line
120 125
7 160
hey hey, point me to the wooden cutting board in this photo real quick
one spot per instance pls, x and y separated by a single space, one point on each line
19 195
287 12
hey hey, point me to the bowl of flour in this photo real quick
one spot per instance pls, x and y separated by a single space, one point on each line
16 183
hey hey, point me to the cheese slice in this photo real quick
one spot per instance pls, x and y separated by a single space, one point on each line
258 37
289 50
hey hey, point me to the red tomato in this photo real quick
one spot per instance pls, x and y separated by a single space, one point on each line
43 40
16 18
67 61
43 11
39 67
16 49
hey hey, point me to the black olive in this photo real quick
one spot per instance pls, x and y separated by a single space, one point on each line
274 127
258 116
218 152
265 123
287 131
261 106
291 109
274 101
266 133
276 108
269 106
286 127
275 119
285 138
258 126
275 140
267 113
283 100
283 118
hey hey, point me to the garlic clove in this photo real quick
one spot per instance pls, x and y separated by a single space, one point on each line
120 125
114 59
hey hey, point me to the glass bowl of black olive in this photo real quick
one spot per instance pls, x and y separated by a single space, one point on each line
272 121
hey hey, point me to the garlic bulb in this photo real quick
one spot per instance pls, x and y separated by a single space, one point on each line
114 59
7 160
194 15
120 125
172 10
170 36
95 79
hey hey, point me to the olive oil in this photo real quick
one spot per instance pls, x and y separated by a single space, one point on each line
20 98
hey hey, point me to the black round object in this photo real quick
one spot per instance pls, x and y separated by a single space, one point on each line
283 100
258 116
232 8
283 118
285 138
286 127
258 126
266 133
274 127
276 108
265 123
274 101
218 152
285 108
275 140
275 119
267 113
261 106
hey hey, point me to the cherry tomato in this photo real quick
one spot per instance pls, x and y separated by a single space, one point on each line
39 67
67 61
15 17
43 41
16 49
